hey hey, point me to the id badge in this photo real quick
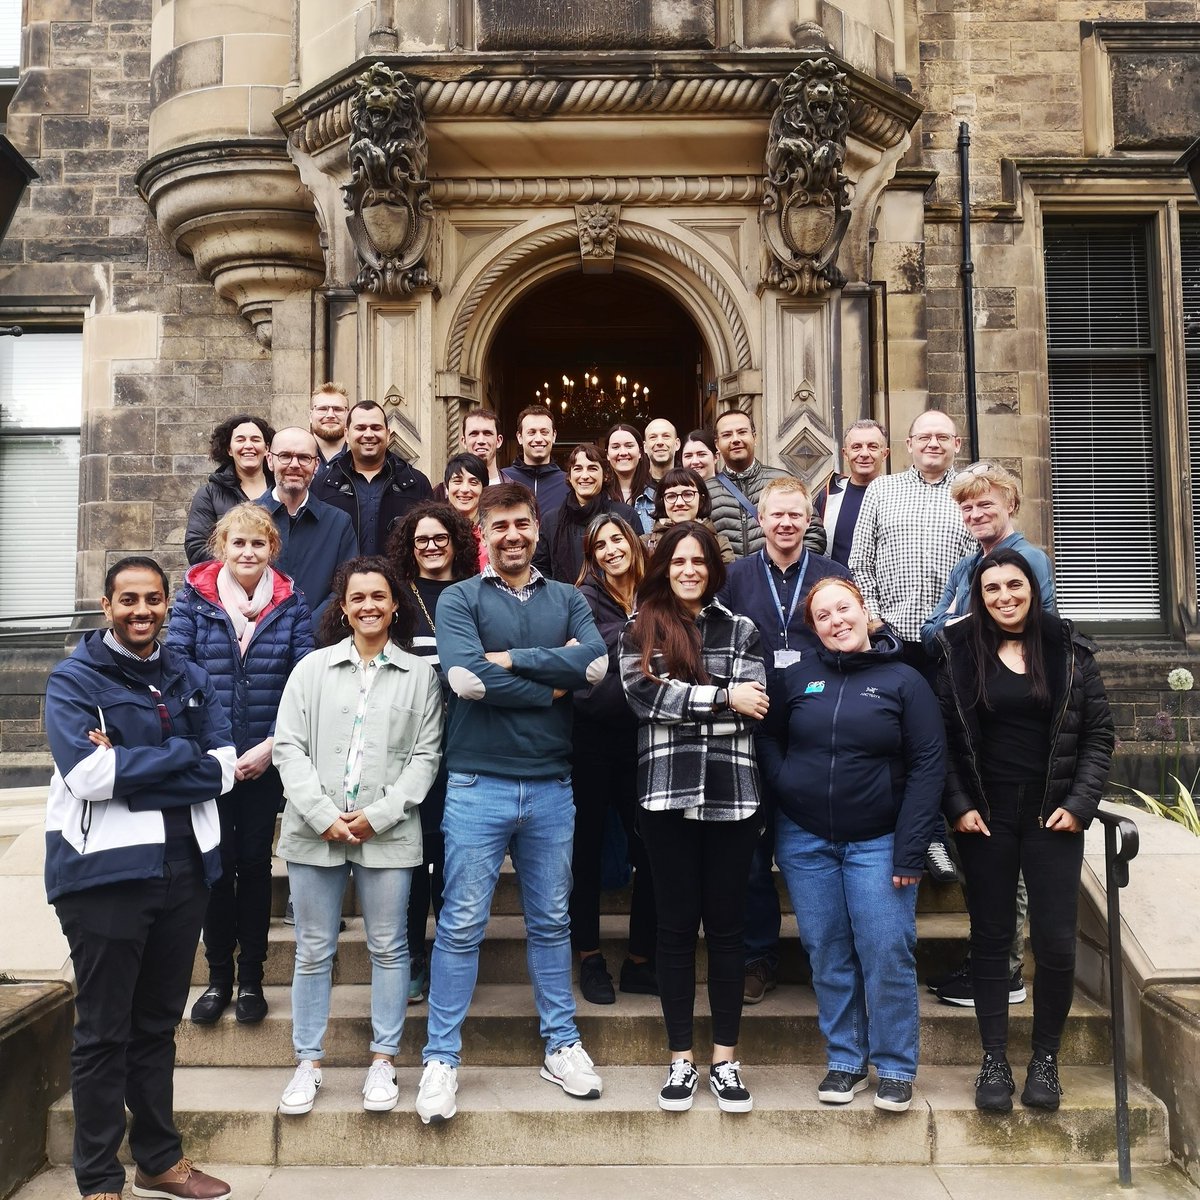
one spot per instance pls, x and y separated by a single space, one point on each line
786 658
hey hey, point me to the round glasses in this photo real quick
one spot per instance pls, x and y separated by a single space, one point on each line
686 496
438 540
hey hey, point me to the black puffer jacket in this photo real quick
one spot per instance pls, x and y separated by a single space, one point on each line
213 499
1081 731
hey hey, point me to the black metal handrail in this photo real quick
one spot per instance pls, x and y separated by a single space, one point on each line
30 626
1120 847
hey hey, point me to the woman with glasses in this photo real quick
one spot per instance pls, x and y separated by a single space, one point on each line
431 548
680 495
465 478
587 496
247 626
604 770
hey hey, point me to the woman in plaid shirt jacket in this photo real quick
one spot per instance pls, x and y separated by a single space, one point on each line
693 674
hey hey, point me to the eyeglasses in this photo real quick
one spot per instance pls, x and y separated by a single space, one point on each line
942 439
330 408
686 496
285 459
438 540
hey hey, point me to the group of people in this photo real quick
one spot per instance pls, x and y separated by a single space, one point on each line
425 683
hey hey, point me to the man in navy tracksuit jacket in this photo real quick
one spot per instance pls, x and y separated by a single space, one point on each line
141 750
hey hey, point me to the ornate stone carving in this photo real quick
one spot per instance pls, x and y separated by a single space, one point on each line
806 195
391 213
597 228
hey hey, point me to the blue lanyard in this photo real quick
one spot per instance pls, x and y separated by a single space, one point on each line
786 618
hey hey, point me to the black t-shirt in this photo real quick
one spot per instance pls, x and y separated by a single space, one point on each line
1015 731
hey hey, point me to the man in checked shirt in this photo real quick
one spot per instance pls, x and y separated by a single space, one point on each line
908 537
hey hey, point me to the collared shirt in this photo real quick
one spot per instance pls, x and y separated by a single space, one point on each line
909 535
110 640
354 756
536 578
370 495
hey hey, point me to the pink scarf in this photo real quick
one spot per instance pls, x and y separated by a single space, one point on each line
244 610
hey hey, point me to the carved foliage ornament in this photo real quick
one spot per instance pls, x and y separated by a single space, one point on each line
391 213
806 196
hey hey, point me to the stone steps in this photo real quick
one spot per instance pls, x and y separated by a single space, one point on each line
509 1115
502 1031
941 937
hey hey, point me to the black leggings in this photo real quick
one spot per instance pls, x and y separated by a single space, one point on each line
1051 861
700 871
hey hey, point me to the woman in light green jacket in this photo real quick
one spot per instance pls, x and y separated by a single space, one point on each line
357 744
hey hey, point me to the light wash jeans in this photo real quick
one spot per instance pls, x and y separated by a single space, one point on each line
861 936
317 899
485 814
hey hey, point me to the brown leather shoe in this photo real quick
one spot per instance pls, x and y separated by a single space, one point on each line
760 980
102 1196
181 1182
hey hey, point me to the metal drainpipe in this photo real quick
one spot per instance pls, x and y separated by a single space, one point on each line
968 297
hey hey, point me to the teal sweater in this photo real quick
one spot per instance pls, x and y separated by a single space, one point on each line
506 722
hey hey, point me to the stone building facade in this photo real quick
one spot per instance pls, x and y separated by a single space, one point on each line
589 181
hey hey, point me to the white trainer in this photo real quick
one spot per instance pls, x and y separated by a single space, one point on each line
300 1095
380 1093
573 1071
435 1095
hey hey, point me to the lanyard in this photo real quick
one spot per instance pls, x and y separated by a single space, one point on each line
786 617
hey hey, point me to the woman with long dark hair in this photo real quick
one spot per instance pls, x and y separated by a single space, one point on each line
357 745
588 494
680 495
693 674
239 447
630 479
245 623
431 548
1031 744
604 769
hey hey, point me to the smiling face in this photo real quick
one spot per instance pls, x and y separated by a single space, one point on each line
839 619
611 551
624 453
481 438
247 553
536 439
511 535
681 503
369 605
294 461
735 440
988 518
463 491
585 476
688 574
933 443
247 448
863 453
432 549
367 436
1006 597
661 443
137 609
784 520
327 416
700 458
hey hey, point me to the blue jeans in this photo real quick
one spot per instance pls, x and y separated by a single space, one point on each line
484 815
763 917
317 898
861 936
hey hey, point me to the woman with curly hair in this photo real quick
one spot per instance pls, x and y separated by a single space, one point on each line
357 745
693 674
239 447
433 547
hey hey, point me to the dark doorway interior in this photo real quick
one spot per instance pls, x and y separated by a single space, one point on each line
604 326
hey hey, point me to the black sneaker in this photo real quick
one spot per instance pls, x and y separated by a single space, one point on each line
639 978
212 1002
251 1004
595 983
1016 988
934 982
679 1091
893 1095
725 1083
1042 1088
994 1085
939 864
840 1087
958 988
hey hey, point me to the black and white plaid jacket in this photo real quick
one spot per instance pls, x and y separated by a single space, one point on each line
690 756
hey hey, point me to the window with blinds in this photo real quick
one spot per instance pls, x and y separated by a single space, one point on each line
1189 240
10 38
41 382
1103 369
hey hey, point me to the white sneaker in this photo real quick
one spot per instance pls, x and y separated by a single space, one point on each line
435 1095
301 1093
574 1072
380 1092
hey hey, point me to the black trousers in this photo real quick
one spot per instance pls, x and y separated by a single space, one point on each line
1051 862
700 872
239 908
132 946
429 879
603 775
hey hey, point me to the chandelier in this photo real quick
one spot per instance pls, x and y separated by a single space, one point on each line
590 402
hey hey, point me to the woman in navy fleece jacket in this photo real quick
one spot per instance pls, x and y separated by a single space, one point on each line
853 753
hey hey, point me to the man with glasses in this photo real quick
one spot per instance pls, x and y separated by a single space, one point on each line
327 422
317 538
864 451
908 537
769 587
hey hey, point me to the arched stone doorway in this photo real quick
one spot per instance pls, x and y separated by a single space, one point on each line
601 327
